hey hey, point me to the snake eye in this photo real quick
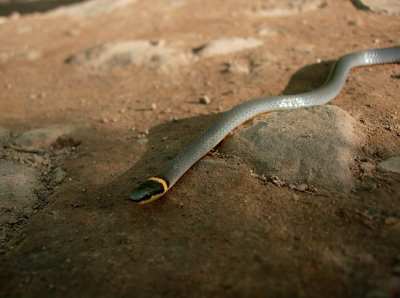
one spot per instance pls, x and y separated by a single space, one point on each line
148 191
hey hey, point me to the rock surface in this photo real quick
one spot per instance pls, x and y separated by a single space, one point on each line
43 138
291 8
17 185
89 9
228 45
390 165
5 134
380 6
137 52
312 145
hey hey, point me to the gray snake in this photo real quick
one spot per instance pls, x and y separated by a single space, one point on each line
155 187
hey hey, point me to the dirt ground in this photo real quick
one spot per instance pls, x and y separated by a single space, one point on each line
220 231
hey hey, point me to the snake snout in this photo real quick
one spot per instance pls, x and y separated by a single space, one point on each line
138 195
148 191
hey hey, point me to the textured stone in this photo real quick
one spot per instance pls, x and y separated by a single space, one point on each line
18 185
311 145
136 52
5 134
291 8
89 9
367 167
228 45
42 138
390 165
380 6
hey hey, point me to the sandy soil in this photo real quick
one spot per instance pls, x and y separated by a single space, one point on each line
220 230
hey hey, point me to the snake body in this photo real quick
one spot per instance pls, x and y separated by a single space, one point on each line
156 186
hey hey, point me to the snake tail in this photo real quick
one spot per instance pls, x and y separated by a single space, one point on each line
150 190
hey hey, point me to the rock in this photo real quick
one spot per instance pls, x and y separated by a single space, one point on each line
88 9
136 52
28 55
312 146
43 138
390 221
58 176
204 99
14 16
379 6
5 135
367 167
225 46
291 8
239 66
390 165
18 185
267 31
32 55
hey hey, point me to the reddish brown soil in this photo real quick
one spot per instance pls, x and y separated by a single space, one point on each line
220 231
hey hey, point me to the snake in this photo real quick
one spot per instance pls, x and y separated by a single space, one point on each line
155 187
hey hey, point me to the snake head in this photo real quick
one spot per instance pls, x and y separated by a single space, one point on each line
149 191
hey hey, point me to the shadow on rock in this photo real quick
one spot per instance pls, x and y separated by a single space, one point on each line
308 78
8 8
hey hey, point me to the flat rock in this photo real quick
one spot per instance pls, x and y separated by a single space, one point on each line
5 135
380 6
43 138
136 52
88 9
313 146
390 165
229 45
18 185
267 31
291 8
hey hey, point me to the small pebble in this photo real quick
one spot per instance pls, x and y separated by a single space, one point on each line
142 141
153 106
73 32
204 99
174 119
267 32
390 221
276 181
367 167
15 16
